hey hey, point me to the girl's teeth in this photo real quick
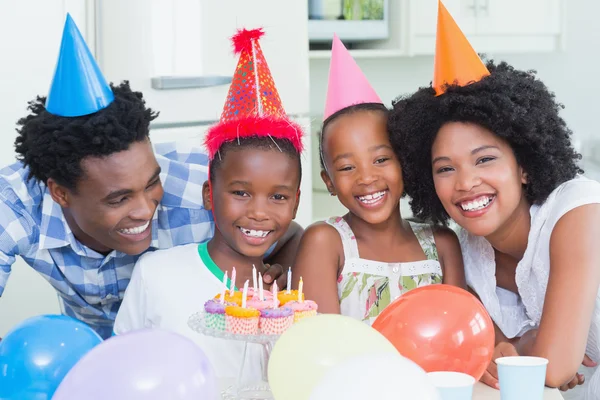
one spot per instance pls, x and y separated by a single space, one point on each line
371 198
135 231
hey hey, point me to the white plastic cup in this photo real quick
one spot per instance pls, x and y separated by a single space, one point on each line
452 385
521 377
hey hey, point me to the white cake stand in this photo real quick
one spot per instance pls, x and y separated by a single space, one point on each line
256 391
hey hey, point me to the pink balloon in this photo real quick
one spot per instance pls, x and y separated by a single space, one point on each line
145 364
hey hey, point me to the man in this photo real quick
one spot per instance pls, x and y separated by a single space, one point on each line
90 196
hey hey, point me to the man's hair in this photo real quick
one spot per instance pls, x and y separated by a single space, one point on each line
52 146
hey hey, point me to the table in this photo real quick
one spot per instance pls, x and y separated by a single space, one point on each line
484 392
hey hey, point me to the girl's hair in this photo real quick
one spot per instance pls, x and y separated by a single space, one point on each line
347 111
513 104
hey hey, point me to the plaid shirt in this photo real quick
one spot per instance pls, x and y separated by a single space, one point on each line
91 285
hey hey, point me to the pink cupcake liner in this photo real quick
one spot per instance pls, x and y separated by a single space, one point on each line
243 326
275 326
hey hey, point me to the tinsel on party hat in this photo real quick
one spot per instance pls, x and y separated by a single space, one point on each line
253 106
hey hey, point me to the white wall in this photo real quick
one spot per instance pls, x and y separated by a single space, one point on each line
30 32
572 75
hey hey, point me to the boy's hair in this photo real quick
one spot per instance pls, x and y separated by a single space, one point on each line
52 146
254 142
347 111
512 104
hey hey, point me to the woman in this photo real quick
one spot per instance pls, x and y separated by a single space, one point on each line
495 157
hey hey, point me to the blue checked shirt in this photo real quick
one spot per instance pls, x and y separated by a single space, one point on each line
91 285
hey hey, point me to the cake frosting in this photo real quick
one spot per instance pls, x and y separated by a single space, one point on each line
261 304
306 305
284 297
215 307
276 312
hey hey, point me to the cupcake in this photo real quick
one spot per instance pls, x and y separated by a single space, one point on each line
241 320
262 304
302 309
284 296
215 315
236 298
275 321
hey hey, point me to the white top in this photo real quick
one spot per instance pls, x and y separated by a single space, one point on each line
516 314
367 287
166 288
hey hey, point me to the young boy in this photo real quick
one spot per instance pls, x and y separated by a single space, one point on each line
252 191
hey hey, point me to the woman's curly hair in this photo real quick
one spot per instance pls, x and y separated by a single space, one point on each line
513 104
52 146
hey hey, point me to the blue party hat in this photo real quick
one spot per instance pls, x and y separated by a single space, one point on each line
78 87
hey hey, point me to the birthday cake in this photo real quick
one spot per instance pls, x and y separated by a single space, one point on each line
254 311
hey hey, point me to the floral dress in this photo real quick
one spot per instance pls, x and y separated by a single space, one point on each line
366 287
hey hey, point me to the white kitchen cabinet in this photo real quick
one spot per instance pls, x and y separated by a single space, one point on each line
494 26
191 38
423 18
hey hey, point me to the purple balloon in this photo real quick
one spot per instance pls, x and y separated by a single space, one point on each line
145 364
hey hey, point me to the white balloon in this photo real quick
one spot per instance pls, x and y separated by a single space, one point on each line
382 376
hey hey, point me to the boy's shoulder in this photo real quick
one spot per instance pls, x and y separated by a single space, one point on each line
172 260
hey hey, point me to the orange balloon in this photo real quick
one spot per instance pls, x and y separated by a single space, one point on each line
441 328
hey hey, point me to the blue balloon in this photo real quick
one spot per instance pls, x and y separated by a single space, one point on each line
78 87
36 355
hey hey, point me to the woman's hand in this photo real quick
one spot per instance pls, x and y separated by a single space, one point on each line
502 349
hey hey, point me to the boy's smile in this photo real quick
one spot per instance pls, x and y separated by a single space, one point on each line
253 199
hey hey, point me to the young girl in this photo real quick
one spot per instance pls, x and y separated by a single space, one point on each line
253 192
493 154
357 264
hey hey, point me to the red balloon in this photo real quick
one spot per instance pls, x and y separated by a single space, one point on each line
441 328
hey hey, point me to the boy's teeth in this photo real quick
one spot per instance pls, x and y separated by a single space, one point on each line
135 231
254 233
476 204
371 198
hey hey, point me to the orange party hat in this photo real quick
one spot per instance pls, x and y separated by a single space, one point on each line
456 62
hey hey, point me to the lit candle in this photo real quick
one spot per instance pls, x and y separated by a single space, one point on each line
224 288
260 287
232 287
300 290
289 282
244 294
254 278
275 294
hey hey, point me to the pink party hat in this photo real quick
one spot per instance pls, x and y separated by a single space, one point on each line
347 85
